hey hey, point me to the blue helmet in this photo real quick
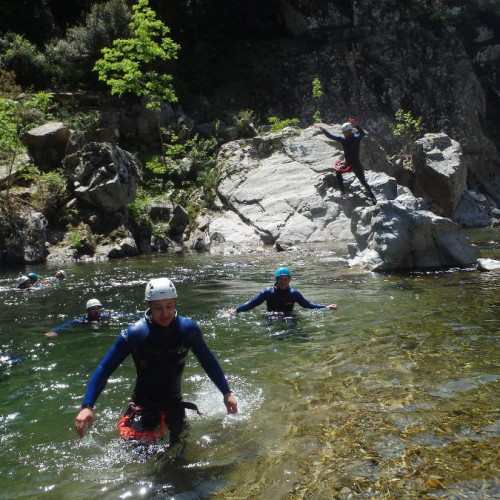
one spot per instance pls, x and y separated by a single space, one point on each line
33 277
282 271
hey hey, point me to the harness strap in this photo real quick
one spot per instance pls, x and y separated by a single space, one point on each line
341 166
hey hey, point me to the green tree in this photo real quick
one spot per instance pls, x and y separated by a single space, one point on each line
131 65
317 92
408 127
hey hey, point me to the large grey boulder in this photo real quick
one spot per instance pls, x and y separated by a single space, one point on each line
26 243
47 144
440 172
278 189
104 176
397 235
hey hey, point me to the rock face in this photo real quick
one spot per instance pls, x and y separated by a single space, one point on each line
397 235
440 174
278 190
104 176
27 243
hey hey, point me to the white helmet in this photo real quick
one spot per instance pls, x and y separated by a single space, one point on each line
63 273
21 280
346 126
93 303
160 288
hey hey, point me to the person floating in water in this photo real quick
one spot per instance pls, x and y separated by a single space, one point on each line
350 141
159 344
33 278
94 314
23 283
280 298
58 277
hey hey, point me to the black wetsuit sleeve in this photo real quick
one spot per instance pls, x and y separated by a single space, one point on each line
361 133
207 360
256 301
303 302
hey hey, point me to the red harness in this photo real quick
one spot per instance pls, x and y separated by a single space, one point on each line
341 166
151 435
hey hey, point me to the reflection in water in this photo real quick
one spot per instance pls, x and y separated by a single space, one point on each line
393 395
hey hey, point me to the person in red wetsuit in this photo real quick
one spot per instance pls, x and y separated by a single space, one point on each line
350 139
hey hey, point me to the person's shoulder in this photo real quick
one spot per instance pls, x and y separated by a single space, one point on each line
186 323
137 329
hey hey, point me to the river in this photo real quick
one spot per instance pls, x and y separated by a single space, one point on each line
393 395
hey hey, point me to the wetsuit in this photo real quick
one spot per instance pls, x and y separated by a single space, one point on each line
84 319
159 355
351 145
277 300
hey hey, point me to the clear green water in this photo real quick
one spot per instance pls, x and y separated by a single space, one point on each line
394 395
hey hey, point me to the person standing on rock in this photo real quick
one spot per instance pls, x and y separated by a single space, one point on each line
350 140
280 298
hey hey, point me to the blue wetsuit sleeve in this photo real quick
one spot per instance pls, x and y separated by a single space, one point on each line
207 360
71 322
337 138
256 301
114 357
303 302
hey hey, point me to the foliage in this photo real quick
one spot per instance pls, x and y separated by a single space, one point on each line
17 116
76 239
317 89
52 187
244 122
277 124
80 48
129 66
407 125
8 86
141 201
83 121
28 63
317 93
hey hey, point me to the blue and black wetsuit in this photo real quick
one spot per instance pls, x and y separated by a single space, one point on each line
280 301
81 320
159 355
351 145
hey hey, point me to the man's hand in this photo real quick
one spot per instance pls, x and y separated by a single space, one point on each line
231 404
51 334
331 306
84 420
231 311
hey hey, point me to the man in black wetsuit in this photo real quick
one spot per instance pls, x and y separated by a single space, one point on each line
159 344
350 142
280 298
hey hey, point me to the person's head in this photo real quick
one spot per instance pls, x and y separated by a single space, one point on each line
283 277
346 129
33 278
23 282
160 295
60 274
94 308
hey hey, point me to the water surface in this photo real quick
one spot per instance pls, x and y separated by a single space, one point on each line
393 395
